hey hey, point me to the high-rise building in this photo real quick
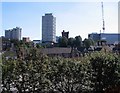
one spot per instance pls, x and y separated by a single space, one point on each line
14 33
48 28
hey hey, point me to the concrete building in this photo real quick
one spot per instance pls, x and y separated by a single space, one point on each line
14 33
48 28
110 38
8 34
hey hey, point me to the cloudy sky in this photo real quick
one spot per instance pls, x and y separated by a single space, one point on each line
79 18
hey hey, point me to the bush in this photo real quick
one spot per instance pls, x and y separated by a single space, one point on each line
91 74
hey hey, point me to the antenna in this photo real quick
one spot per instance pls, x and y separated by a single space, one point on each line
103 28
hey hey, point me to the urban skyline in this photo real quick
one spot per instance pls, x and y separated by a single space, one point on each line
79 22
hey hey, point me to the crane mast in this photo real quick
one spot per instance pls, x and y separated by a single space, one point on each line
103 28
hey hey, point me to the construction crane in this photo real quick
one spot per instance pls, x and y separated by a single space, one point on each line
103 28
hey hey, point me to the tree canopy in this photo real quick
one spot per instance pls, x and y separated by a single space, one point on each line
39 73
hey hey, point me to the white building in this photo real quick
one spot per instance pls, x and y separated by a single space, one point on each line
14 33
48 28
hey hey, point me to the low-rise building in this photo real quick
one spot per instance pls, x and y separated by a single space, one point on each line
110 38
26 39
5 43
56 51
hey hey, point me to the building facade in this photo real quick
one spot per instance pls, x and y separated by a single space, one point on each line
5 43
94 36
26 39
14 33
110 38
65 34
48 28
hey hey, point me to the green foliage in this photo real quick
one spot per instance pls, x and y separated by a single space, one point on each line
65 76
88 42
78 41
63 42
104 71
38 46
71 42
39 73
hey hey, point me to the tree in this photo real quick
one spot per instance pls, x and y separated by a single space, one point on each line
78 41
88 42
26 75
92 41
63 42
39 73
29 76
71 42
104 71
38 45
7 74
65 76
16 42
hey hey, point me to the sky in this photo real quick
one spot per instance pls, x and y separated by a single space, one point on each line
79 18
